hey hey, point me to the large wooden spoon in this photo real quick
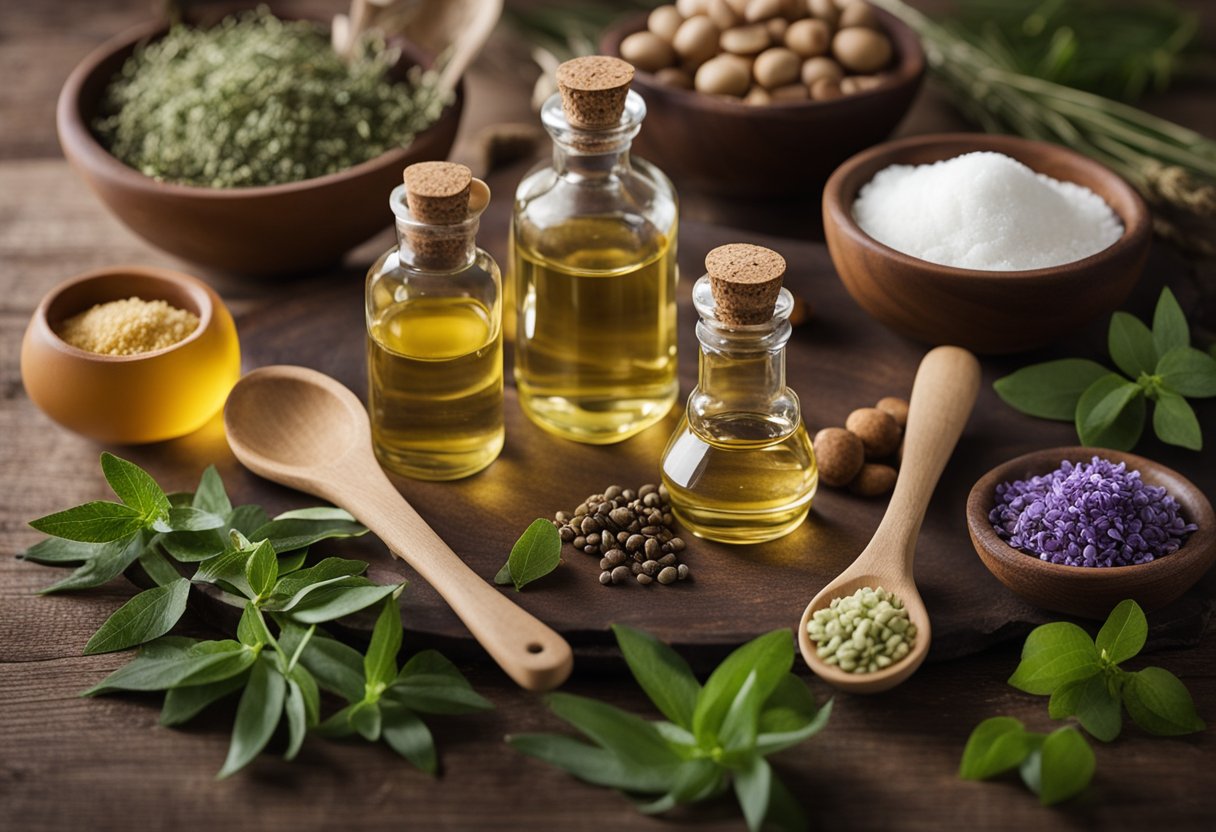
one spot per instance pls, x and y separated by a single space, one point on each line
303 429
943 394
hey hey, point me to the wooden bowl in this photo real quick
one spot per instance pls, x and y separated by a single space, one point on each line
989 312
131 399
277 229
718 145
1091 592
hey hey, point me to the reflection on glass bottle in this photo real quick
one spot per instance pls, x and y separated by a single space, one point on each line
594 268
434 346
740 467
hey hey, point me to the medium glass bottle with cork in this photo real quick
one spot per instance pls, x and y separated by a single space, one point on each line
594 266
434 331
740 467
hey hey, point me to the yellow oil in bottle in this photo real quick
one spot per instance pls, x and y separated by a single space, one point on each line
595 339
740 478
436 387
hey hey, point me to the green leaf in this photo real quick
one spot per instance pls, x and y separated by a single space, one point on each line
194 547
257 715
327 513
1175 422
1159 703
55 551
661 672
790 717
148 615
406 734
1050 390
297 719
590 763
739 728
188 519
183 704
1110 413
1189 372
1097 708
503 576
1131 345
262 569
210 495
632 739
337 667
109 561
158 568
380 663
96 522
228 568
693 780
204 663
247 519
995 746
770 655
784 813
367 719
537 553
292 561
1053 655
135 487
293 588
251 630
1170 329
1066 765
332 602
752 784
293 533
429 683
1124 633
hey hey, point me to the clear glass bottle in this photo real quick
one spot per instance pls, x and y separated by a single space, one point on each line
740 467
593 256
434 346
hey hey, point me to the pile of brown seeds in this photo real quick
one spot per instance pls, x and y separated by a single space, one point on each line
633 532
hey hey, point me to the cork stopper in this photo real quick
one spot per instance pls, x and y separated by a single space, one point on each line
593 90
745 281
438 192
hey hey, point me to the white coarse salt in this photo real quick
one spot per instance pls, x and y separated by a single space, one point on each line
984 211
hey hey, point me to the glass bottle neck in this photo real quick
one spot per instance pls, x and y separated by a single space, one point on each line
434 248
592 154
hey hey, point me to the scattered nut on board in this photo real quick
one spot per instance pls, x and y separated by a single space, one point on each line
863 455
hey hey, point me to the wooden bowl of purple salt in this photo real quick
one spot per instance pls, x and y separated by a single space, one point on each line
1077 530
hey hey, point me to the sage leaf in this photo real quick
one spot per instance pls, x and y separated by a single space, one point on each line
332 602
380 663
503 576
753 782
1123 634
158 568
204 663
366 718
661 673
536 554
1188 372
770 655
336 667
1065 766
632 739
262 569
738 731
1131 345
188 519
291 561
251 630
1170 328
228 568
1098 709
210 495
56 551
1110 413
406 734
96 522
1175 422
589 763
1159 703
257 715
183 704
194 547
430 684
317 513
996 745
135 487
148 615
293 588
290 533
109 561
693 780
297 719
247 519
1055 654
1050 390
790 717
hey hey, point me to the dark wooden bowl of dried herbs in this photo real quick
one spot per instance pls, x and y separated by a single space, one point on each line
270 187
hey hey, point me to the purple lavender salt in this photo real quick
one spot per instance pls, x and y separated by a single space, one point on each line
1089 514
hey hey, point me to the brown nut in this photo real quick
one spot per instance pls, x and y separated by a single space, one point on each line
876 430
745 40
896 407
673 76
858 13
809 37
776 28
825 89
724 75
861 50
664 21
818 69
647 51
722 14
758 96
790 92
825 10
776 67
840 456
690 8
873 480
758 10
696 41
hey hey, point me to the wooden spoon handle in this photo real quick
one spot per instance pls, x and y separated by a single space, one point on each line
531 653
943 394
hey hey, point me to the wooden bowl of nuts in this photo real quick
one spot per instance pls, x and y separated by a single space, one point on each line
766 97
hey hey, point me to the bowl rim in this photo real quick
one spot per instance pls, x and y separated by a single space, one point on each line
1200 544
198 291
910 69
1137 228
74 132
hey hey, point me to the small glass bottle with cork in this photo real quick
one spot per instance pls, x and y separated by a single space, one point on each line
594 267
740 467
434 331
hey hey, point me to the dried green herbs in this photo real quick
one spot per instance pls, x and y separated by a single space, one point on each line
255 101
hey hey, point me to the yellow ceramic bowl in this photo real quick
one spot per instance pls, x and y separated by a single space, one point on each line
131 399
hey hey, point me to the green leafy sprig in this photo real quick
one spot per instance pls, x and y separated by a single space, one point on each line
1084 679
715 735
537 553
1054 766
1109 409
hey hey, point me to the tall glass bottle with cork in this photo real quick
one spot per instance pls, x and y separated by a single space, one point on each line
434 331
740 467
594 266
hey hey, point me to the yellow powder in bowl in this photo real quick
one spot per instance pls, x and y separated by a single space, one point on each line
128 327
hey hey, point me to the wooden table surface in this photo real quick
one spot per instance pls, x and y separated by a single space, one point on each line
883 763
